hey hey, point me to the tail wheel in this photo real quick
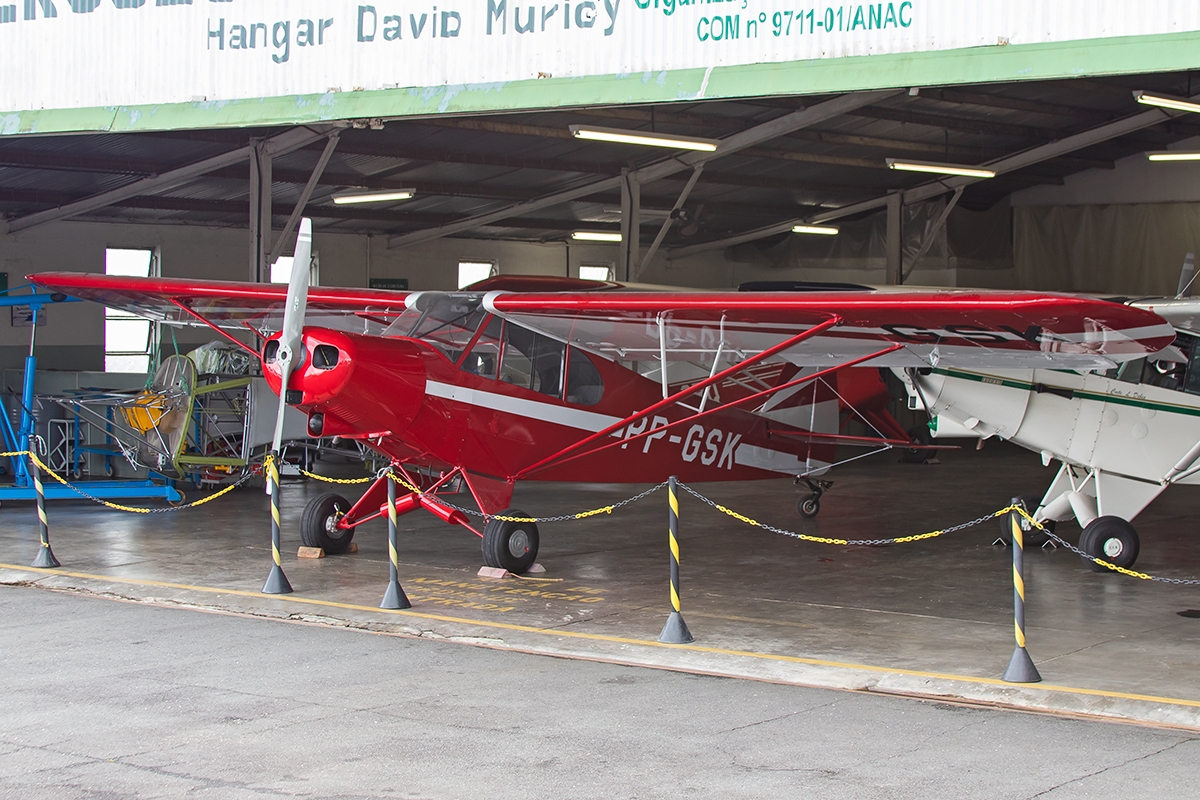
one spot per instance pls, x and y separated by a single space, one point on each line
809 506
510 545
1112 539
318 524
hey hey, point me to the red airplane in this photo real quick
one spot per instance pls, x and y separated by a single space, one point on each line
557 379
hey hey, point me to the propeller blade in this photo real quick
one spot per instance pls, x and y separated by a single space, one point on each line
290 340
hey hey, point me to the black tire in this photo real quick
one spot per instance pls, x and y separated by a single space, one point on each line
809 506
1033 537
317 524
510 545
919 434
1112 539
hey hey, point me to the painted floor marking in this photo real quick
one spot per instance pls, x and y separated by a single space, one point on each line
600 637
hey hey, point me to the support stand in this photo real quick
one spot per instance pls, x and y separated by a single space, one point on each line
1020 666
676 630
277 582
394 597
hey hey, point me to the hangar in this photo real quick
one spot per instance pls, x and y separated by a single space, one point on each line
425 144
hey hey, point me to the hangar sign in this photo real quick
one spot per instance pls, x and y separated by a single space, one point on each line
107 53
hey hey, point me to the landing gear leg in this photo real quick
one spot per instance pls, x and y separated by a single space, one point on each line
810 506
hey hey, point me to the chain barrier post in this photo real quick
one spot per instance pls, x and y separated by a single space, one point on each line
277 582
45 558
1020 666
394 597
676 630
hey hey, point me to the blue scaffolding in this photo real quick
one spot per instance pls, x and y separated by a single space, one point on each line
156 486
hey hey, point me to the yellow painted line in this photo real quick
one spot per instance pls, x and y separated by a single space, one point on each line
599 637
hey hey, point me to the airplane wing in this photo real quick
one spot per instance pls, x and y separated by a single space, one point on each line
949 327
227 304
953 327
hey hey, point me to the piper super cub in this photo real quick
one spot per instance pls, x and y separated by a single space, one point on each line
570 380
1122 434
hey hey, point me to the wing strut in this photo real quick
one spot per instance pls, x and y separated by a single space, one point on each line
792 341
228 336
562 458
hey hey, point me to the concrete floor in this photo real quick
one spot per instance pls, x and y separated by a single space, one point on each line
931 618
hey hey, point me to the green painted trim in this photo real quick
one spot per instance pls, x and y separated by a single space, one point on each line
1096 57
1133 402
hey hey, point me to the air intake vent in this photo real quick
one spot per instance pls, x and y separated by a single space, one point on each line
325 356
271 351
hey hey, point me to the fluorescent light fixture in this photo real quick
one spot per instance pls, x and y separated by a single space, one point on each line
596 236
1174 155
940 169
1165 101
381 196
623 136
819 230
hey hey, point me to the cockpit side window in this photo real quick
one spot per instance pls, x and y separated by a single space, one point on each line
532 361
584 384
448 323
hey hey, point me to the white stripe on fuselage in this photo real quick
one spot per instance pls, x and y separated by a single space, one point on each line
592 422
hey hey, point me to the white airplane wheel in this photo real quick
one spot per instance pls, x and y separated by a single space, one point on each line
510 545
318 524
1112 539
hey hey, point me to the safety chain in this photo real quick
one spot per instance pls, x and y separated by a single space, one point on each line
344 481
503 518
1124 571
827 540
118 506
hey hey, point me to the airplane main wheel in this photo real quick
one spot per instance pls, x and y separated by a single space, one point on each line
1112 539
510 545
809 506
914 454
318 524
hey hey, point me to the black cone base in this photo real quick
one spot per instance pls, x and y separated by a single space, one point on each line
1021 668
277 582
45 559
395 597
675 631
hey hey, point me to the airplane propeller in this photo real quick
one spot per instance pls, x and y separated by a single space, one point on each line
290 356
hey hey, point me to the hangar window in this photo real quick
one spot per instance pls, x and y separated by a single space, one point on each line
129 340
532 361
474 271
595 272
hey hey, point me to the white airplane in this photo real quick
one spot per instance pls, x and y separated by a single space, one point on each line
1122 435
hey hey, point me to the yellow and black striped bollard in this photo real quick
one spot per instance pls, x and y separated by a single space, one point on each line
394 597
1020 666
676 630
45 558
277 582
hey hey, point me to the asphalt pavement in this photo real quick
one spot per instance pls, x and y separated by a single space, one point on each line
113 699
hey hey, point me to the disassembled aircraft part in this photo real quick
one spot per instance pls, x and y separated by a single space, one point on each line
1112 539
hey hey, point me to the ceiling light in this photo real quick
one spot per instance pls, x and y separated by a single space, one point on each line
596 236
819 230
1174 155
1164 101
940 169
623 136
381 196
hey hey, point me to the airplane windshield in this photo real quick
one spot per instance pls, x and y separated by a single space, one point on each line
448 323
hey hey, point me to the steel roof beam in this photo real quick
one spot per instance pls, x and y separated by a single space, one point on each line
669 166
282 143
925 191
